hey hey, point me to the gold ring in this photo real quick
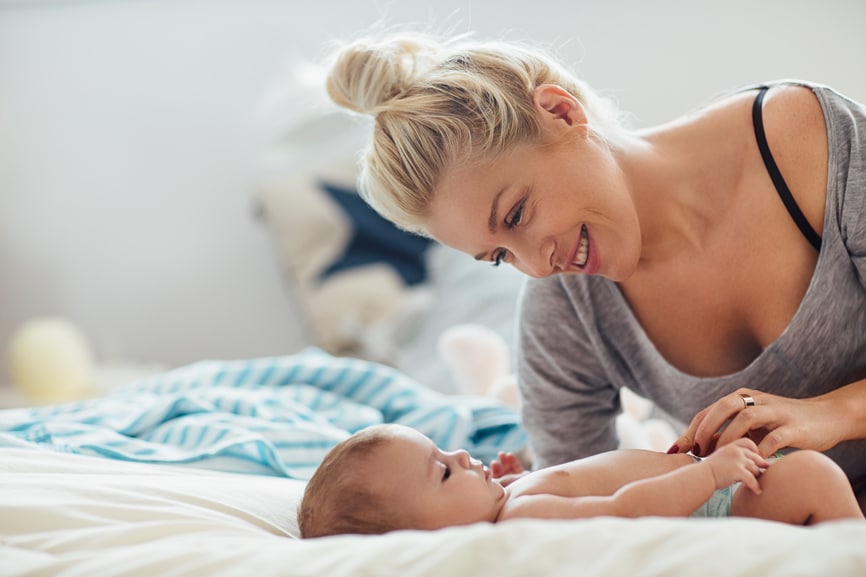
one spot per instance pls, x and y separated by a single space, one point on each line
748 401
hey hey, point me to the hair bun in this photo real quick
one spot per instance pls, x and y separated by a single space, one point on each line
366 75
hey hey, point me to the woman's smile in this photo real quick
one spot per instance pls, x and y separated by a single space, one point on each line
588 257
520 211
579 252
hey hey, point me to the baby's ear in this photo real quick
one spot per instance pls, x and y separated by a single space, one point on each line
478 357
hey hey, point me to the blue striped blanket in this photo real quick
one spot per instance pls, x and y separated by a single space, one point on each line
271 416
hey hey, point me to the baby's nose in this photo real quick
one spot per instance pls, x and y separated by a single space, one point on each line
465 458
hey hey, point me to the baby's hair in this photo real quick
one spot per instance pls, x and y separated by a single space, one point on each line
336 500
439 103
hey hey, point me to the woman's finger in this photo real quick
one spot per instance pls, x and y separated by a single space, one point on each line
775 440
758 418
685 442
719 414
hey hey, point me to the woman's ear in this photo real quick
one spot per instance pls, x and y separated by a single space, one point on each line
555 103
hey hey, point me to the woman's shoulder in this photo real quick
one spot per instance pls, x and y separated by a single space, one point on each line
792 113
796 132
791 100
789 107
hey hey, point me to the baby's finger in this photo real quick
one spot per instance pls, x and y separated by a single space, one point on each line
754 469
751 481
758 460
746 443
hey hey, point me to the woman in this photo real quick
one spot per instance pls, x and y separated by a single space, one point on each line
715 264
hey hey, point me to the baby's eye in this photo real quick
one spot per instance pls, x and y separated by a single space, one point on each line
447 473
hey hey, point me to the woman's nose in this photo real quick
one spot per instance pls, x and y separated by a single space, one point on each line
535 267
534 258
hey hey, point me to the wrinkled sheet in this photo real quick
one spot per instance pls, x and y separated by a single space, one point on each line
271 416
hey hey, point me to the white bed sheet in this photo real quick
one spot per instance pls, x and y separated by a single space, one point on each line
68 515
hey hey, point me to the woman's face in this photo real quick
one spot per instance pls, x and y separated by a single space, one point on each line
562 208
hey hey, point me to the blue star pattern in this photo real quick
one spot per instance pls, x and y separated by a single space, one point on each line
375 240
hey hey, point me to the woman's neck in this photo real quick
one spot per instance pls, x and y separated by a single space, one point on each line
680 176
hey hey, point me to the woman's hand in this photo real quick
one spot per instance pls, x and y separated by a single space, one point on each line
771 421
506 468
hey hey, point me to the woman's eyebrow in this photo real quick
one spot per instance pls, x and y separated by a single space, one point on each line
492 220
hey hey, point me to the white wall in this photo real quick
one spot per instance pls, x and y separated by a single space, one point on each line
132 134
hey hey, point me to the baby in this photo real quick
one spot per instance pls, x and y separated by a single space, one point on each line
390 477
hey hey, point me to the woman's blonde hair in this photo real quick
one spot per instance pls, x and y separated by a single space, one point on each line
439 103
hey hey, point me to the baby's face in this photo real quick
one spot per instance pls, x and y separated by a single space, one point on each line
434 489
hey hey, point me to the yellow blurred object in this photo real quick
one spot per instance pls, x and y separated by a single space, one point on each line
51 360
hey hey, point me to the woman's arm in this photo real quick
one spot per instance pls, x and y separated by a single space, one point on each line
568 406
822 421
776 422
675 494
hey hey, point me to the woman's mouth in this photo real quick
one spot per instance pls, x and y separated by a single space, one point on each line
582 255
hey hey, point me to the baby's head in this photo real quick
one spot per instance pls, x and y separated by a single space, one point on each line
389 477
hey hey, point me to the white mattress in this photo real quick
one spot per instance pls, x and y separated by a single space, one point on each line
65 515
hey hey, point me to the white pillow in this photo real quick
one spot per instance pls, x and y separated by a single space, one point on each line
463 291
371 311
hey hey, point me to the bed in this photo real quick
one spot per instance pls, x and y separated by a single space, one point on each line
66 514
199 471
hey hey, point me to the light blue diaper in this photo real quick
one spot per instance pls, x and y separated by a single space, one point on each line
719 504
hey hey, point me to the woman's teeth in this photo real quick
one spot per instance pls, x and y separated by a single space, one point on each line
583 249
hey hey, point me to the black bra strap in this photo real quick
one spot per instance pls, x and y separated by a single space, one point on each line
776 176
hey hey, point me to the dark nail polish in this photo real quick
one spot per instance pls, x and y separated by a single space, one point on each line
674 449
696 450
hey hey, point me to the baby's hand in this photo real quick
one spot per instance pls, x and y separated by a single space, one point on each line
737 461
506 468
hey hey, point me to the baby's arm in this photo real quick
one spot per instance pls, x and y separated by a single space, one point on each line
675 494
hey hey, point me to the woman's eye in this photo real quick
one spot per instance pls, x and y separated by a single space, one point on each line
447 473
515 217
510 222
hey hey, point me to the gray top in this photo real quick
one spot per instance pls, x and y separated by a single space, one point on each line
580 343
